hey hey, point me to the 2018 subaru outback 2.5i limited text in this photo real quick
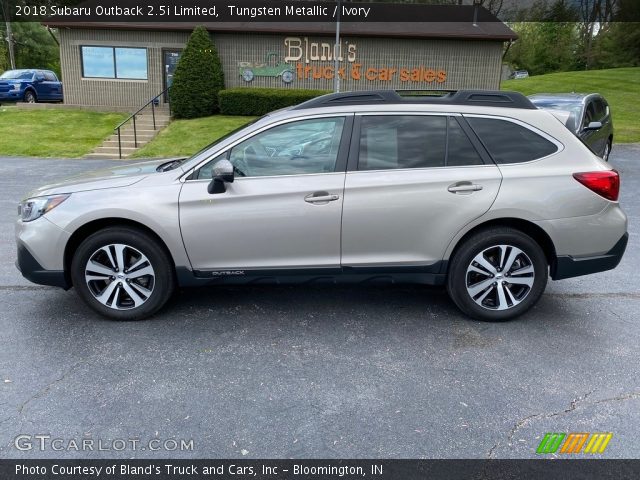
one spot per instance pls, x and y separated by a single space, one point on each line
479 191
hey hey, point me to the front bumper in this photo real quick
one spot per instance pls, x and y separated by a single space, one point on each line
11 95
567 266
33 271
41 246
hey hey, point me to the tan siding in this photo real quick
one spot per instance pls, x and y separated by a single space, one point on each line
129 93
468 63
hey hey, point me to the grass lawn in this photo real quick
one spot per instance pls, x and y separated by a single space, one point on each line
185 137
620 86
60 132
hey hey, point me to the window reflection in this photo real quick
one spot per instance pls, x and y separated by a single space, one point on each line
113 62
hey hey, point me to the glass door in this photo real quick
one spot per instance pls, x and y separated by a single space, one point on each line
170 62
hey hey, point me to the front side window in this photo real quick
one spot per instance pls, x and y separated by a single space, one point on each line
413 141
114 62
296 148
508 142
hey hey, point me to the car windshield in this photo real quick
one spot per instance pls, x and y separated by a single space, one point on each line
17 75
224 137
572 106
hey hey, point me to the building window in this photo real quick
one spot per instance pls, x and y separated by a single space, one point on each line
114 62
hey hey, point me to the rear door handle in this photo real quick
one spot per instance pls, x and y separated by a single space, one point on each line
320 197
464 187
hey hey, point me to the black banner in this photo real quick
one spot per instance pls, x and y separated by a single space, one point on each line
318 469
240 11
220 11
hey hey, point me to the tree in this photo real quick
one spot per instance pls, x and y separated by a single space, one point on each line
547 40
35 47
4 55
618 43
198 78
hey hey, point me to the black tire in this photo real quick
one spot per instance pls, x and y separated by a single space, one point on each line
460 279
30 97
162 283
607 150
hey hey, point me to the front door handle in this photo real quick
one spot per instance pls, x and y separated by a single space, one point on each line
464 187
320 197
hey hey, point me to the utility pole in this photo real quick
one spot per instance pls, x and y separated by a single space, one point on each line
12 60
337 48
5 11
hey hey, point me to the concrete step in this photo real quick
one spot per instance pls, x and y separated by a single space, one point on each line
130 138
104 156
140 131
150 117
144 133
114 150
124 143
143 126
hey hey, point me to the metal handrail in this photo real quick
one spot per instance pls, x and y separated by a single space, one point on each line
133 117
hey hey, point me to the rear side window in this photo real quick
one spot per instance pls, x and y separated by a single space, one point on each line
508 142
460 151
413 141
50 77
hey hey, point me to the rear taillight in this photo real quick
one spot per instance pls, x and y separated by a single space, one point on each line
604 183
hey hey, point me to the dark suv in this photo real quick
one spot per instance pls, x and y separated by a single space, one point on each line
586 115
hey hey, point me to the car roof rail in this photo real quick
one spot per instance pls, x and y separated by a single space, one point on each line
484 98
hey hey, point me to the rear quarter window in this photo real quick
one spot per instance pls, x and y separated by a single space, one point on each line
508 142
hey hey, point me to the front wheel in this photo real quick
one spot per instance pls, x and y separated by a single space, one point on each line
497 274
29 97
123 273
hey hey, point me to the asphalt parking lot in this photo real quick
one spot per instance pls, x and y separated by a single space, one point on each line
317 372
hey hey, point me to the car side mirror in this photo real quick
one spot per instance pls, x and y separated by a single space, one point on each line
594 126
221 173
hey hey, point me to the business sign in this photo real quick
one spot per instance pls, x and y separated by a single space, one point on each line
308 60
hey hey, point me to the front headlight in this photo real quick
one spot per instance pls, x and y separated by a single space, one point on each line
33 208
16 86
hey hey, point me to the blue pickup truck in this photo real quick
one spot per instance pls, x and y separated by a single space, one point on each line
30 85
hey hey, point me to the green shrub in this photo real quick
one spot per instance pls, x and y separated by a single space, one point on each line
198 78
259 101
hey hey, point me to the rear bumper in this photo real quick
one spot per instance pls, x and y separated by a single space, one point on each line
33 271
567 266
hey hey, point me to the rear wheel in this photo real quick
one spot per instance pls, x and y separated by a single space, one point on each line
123 273
497 274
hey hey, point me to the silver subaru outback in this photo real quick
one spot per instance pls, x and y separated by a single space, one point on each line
477 191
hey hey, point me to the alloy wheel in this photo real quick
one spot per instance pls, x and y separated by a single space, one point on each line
119 276
500 277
